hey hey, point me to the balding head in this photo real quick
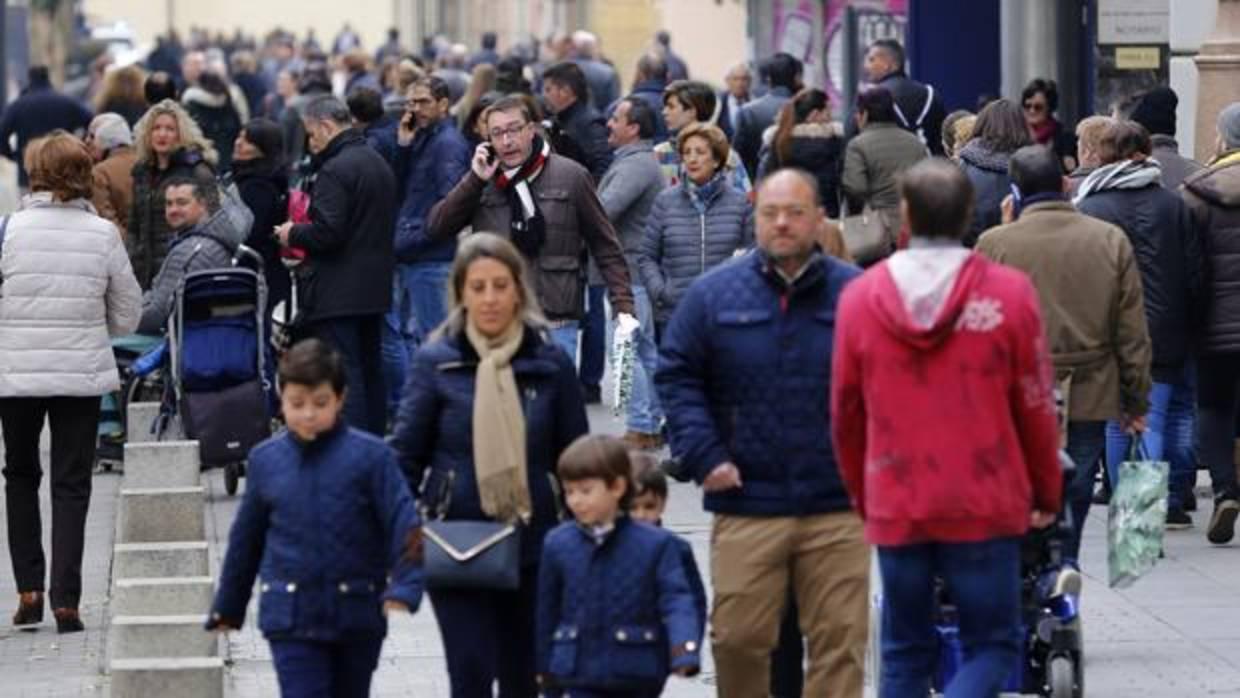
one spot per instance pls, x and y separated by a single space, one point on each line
585 44
936 199
788 215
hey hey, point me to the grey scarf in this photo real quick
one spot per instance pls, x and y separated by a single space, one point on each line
1126 174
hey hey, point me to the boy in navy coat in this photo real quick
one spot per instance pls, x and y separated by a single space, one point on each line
328 523
616 612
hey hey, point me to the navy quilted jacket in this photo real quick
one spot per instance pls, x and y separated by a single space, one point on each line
323 523
681 244
434 428
611 615
744 376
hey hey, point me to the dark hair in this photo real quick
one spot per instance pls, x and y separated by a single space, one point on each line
1036 169
877 104
641 114
939 198
783 70
326 108
436 86
651 66
693 94
158 87
214 84
598 456
1122 141
1046 87
569 75
312 362
893 49
37 75
489 40
365 104
60 163
647 476
198 187
794 112
1001 127
268 137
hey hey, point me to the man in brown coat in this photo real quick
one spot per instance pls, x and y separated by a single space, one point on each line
111 144
1090 291
547 206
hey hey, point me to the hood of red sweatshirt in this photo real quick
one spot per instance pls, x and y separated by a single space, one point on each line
897 303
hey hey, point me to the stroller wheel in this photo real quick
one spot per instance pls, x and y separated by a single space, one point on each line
1061 678
232 475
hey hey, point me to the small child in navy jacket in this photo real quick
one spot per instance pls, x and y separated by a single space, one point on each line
616 612
649 503
326 519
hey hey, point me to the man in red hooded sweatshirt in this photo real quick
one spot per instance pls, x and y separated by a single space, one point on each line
944 426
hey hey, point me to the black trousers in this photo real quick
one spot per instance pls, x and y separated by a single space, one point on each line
488 638
74 421
358 339
1218 403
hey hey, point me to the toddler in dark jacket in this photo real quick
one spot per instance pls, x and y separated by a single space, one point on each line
327 521
617 612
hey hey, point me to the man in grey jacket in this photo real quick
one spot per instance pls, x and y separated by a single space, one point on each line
627 191
193 249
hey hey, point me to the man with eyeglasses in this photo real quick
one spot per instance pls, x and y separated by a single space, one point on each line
744 378
546 204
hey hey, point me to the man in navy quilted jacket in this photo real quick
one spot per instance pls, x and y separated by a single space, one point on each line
744 377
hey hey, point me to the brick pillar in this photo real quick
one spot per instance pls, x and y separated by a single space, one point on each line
1218 67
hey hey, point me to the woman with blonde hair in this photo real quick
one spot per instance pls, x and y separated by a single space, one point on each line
67 288
123 93
481 82
169 144
490 404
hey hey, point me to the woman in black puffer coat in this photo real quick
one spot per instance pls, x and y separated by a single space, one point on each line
1000 131
805 137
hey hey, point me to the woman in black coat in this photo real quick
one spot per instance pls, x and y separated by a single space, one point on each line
1000 131
262 180
474 451
805 137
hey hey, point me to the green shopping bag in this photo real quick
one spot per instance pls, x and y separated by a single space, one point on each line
1137 516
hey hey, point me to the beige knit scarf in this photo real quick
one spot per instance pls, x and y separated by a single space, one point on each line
499 426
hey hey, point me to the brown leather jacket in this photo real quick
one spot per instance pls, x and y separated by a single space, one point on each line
113 188
575 223
1089 287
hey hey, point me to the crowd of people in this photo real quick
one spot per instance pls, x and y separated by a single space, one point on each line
469 232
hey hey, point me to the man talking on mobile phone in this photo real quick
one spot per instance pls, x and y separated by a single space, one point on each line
546 204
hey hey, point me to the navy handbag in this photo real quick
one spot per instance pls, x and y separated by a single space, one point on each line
472 555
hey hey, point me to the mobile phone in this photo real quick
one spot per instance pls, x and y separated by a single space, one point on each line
490 153
408 120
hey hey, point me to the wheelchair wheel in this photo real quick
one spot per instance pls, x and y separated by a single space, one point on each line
1061 678
232 476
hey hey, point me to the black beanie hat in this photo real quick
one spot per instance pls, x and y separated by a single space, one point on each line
1156 111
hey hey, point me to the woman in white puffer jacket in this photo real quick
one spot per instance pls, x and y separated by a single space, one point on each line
66 288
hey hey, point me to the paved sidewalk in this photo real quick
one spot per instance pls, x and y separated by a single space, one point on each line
1175 633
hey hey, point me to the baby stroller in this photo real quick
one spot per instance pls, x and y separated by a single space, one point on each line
217 363
1051 662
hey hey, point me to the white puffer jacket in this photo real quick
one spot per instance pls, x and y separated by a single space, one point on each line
67 288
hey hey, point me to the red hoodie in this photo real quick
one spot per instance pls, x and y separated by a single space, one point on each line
945 433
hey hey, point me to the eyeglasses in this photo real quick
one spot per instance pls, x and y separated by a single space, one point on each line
499 134
418 101
1035 107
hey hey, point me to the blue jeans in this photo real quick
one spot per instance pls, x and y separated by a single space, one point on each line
594 337
983 580
425 286
644 413
359 341
1168 435
326 669
1086 444
566 338
396 349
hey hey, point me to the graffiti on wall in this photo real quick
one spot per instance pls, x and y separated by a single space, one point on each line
817 32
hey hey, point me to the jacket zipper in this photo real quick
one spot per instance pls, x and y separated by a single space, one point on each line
702 218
